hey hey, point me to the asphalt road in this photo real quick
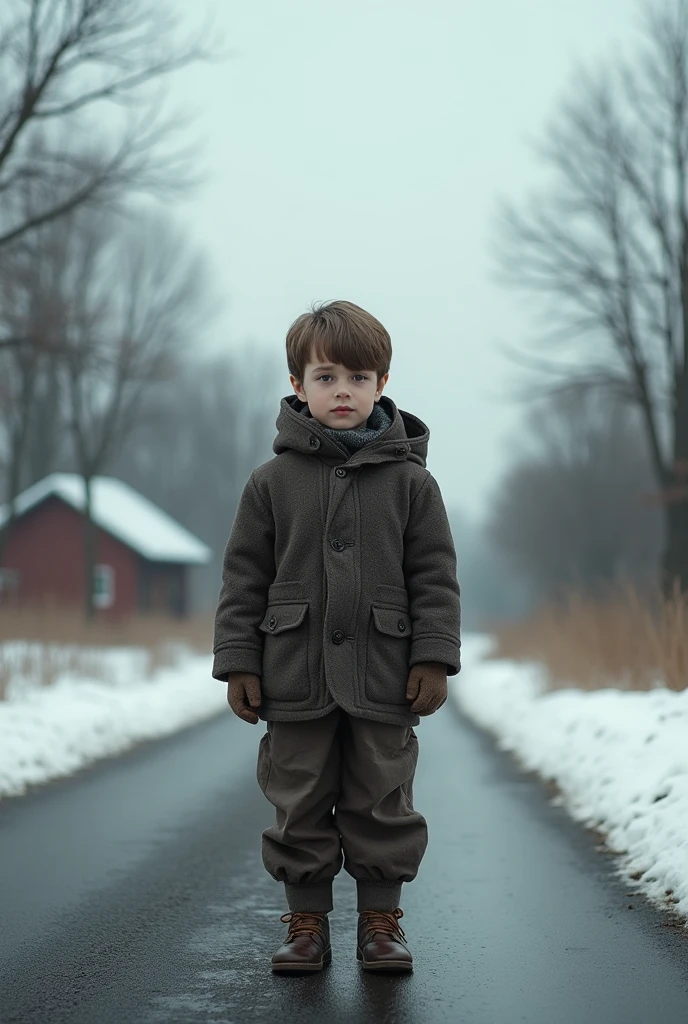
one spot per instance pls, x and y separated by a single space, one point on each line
134 894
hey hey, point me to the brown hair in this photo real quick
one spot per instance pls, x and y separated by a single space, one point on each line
340 332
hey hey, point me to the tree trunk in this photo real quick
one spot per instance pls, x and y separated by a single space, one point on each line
13 482
674 567
6 530
90 553
46 434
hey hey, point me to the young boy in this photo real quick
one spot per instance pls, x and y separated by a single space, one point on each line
338 623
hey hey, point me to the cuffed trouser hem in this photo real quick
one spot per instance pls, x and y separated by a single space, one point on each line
310 898
384 896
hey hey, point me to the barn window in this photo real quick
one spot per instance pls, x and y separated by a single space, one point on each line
104 586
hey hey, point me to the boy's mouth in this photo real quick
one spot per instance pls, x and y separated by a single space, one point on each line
342 408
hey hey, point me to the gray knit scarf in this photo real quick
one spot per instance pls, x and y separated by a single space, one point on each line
376 424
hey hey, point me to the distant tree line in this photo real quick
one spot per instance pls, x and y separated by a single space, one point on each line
575 510
577 506
200 435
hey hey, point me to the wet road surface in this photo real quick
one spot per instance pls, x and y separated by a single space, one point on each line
134 894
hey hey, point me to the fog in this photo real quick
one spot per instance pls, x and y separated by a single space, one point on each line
359 151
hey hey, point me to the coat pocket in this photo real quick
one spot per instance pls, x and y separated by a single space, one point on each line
285 651
388 650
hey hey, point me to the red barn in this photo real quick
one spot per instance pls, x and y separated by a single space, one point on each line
143 555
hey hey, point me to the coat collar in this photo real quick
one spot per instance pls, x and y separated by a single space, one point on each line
406 438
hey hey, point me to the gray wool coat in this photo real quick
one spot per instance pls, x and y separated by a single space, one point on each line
339 573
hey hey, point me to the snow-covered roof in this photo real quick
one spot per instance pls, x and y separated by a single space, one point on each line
121 511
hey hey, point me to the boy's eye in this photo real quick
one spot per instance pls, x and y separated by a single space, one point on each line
323 375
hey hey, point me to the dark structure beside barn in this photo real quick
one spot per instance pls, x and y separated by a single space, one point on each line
143 555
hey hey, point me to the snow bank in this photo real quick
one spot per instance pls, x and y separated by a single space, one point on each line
48 732
620 759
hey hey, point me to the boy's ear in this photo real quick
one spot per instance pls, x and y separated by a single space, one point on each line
297 385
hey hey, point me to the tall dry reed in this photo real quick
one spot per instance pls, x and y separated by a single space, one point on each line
623 641
59 641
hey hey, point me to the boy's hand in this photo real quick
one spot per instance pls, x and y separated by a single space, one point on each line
243 694
427 687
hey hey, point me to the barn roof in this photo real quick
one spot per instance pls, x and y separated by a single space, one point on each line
121 511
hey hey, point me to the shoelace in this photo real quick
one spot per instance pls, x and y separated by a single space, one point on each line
303 924
388 924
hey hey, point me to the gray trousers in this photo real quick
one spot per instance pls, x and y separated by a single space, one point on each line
342 788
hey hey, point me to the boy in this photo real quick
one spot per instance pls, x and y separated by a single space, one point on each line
338 623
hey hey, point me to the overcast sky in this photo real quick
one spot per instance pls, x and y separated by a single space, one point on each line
357 151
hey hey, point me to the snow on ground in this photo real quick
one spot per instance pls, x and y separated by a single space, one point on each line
619 758
51 731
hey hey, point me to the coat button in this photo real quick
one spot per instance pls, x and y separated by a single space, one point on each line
313 442
337 636
401 625
338 545
272 622
340 472
401 450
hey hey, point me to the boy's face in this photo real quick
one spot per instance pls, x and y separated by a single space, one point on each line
328 385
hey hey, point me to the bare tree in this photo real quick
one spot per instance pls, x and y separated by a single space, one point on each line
31 306
140 301
605 242
573 508
67 67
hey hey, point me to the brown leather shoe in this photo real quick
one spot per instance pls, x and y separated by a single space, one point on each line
381 942
307 945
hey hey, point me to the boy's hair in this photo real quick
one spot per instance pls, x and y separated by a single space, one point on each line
338 332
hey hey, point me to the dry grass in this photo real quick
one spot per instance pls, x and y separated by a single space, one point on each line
60 642
621 641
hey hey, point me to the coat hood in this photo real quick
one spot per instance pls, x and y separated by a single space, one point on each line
298 430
